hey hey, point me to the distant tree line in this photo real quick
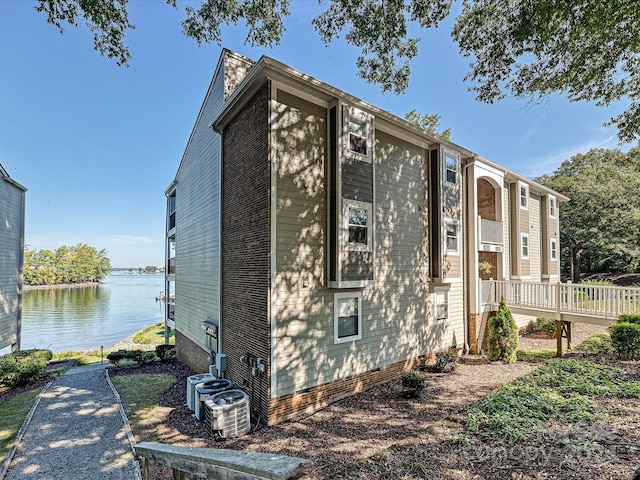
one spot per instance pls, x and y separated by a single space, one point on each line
600 225
66 265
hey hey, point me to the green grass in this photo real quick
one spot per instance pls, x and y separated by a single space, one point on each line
558 391
81 357
153 335
535 356
141 404
12 415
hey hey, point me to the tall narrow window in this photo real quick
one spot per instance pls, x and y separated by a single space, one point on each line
524 245
358 131
524 195
358 225
552 206
171 207
451 169
452 240
347 316
554 250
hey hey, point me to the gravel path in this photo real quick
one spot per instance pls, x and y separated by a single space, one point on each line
77 431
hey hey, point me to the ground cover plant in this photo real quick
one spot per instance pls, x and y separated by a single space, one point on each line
12 414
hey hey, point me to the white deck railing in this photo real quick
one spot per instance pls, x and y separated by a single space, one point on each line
562 298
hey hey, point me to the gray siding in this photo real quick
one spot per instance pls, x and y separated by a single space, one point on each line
11 261
397 312
197 274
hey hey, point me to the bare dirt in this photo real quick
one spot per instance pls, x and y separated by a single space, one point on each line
379 434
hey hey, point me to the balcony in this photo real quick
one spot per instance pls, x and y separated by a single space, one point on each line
490 233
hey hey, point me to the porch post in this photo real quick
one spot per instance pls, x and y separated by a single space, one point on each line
558 322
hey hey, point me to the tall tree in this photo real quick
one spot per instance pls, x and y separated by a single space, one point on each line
428 121
600 225
585 49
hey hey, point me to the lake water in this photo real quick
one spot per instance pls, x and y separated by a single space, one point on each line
87 318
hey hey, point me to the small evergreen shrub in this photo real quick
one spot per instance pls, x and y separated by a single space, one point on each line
625 338
629 318
413 384
502 339
598 343
166 352
139 356
115 358
23 367
446 362
546 326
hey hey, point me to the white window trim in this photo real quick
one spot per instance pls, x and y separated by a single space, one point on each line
336 312
553 249
445 152
553 206
356 247
348 112
436 292
522 185
522 255
455 223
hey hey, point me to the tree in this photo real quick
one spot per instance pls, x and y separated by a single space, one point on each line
586 50
428 121
502 337
600 224
68 264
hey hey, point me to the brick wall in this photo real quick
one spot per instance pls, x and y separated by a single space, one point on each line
486 200
191 354
313 399
245 267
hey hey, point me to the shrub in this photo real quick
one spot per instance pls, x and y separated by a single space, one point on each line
115 358
547 326
139 356
629 318
413 384
502 339
23 367
165 352
598 343
446 362
625 338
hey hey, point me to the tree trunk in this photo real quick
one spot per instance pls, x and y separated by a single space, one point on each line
575 264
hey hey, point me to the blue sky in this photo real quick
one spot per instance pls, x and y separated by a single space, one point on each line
96 144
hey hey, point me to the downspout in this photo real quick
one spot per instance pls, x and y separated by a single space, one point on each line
465 294
18 344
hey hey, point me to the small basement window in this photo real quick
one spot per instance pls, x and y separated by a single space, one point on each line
347 316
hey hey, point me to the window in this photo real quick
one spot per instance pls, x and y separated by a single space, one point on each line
554 250
347 316
171 255
358 225
552 206
442 305
524 245
452 237
451 169
171 207
358 128
524 195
